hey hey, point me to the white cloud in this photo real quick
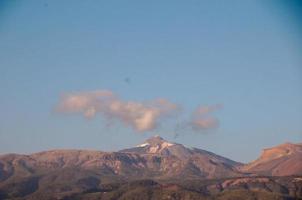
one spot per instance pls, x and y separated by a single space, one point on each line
201 118
141 116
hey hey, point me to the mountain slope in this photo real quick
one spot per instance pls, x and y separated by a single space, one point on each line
156 158
177 160
174 172
282 160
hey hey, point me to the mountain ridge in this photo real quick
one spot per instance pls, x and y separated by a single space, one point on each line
281 160
156 166
162 159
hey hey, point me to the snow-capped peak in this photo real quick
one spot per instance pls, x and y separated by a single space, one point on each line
155 144
167 144
143 145
159 147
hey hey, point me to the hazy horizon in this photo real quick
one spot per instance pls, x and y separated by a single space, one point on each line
224 77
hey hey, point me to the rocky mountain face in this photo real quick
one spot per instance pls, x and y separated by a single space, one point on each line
68 173
282 160
176 160
155 158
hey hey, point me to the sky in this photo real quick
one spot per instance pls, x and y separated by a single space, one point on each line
224 76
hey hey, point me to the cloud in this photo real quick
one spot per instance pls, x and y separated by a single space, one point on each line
204 123
141 116
201 118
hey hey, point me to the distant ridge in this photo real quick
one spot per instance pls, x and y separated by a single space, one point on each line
156 165
282 160
156 158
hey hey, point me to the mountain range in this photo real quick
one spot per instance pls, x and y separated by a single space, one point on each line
155 165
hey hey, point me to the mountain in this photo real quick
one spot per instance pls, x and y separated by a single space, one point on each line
282 160
172 159
159 168
155 158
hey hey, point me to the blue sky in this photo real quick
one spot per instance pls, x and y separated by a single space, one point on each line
245 55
